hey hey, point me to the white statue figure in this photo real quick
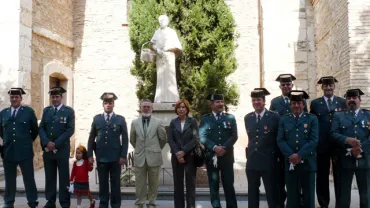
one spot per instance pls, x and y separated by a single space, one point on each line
167 45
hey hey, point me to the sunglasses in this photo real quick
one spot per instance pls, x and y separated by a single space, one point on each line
286 84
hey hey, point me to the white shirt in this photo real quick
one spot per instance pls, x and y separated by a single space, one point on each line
286 98
298 116
261 114
182 125
106 115
80 162
13 109
59 107
215 114
356 112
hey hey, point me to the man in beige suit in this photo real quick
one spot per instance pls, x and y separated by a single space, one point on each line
148 137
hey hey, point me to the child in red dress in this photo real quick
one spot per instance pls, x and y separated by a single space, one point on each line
80 176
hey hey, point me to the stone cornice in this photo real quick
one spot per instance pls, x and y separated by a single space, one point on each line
52 36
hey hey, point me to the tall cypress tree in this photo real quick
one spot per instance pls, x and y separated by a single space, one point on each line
206 29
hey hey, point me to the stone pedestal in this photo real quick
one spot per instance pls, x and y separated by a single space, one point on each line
165 112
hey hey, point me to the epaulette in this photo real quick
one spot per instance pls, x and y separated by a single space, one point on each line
206 115
69 108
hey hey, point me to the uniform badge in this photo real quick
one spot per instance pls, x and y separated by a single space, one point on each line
65 119
305 128
265 128
114 127
368 122
224 124
339 109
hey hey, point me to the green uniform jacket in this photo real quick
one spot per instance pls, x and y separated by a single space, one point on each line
18 133
222 132
345 125
300 138
279 106
59 128
262 145
325 117
108 138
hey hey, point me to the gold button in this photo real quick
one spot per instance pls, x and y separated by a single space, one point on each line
296 141
296 135
51 133
297 129
255 149
355 125
330 121
219 138
296 148
105 142
106 132
256 142
219 144
13 128
14 140
257 130
52 127
106 137
355 132
219 126
13 122
219 132
53 121
330 114
13 134
256 136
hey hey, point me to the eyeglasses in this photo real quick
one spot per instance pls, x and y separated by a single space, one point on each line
286 84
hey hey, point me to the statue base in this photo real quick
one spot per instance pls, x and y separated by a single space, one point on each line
165 112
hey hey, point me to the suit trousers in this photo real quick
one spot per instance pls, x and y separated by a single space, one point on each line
141 176
57 164
254 182
281 181
227 177
362 179
322 179
178 178
10 169
297 180
109 171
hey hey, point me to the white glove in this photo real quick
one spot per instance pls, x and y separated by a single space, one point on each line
47 150
349 153
214 161
71 189
159 51
291 167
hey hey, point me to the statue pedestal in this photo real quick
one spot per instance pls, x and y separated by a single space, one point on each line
165 112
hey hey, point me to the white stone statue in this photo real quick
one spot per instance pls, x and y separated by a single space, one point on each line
167 45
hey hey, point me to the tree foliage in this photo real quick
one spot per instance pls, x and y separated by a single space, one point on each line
206 29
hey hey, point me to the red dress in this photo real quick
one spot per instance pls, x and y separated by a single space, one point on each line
80 176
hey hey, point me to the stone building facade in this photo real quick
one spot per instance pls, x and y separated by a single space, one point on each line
84 46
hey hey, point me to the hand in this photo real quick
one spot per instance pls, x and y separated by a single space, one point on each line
353 142
295 159
91 161
122 161
180 154
50 146
220 151
181 160
355 152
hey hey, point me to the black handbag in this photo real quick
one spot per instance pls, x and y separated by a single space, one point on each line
199 155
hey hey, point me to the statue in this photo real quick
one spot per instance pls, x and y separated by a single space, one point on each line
167 46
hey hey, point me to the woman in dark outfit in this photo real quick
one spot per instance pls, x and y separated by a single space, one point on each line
183 137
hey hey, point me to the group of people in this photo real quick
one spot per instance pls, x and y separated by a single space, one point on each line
287 148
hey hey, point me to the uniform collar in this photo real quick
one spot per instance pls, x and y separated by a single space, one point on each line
326 99
110 115
59 107
261 114
299 115
215 114
12 108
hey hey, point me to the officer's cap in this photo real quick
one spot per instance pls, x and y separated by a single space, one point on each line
259 92
298 95
108 97
57 91
213 97
327 80
285 78
16 91
353 93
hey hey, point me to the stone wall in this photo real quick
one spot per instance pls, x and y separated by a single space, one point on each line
359 45
102 60
52 45
332 42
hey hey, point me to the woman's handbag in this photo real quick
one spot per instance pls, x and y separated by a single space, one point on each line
199 155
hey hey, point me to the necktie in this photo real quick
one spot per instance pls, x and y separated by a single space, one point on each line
296 119
55 111
145 127
107 118
286 100
14 112
258 118
330 104
218 116
353 114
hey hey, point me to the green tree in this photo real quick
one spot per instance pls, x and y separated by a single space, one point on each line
206 29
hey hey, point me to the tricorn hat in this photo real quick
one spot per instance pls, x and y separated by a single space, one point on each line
213 97
108 96
327 80
353 93
16 91
259 92
57 91
298 95
285 78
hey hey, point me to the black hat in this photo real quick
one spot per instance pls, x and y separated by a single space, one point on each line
259 92
327 80
285 78
298 95
16 91
108 96
57 91
353 93
213 97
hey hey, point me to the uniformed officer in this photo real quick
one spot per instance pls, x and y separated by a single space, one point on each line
324 108
297 140
262 127
281 105
109 136
350 129
218 132
56 128
18 128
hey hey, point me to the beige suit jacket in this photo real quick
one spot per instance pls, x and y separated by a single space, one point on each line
148 149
